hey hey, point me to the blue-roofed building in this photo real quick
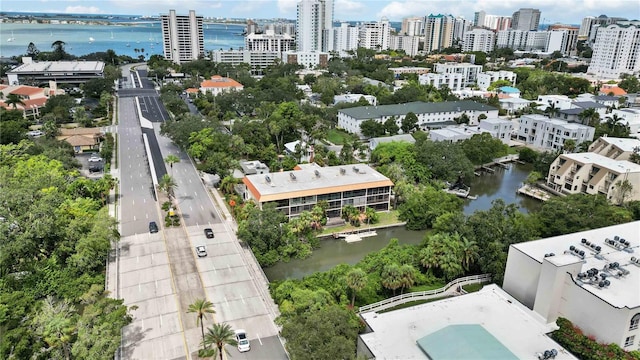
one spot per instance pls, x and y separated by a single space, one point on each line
488 324
510 90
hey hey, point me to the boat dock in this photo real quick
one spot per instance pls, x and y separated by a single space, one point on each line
461 193
499 162
534 192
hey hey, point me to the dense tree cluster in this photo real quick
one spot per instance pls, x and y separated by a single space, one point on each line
534 82
56 238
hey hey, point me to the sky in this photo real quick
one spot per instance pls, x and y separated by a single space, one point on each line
552 11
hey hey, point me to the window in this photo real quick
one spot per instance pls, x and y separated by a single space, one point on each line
629 341
635 321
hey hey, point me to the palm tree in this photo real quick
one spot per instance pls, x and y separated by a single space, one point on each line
356 280
408 276
589 117
469 253
391 278
171 159
218 335
14 100
552 110
201 308
167 185
58 49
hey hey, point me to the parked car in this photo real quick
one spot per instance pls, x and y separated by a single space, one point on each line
243 341
153 227
95 158
201 250
208 233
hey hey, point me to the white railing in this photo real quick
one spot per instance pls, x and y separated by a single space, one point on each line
425 295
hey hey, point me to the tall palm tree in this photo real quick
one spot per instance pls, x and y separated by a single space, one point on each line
14 100
408 275
589 117
171 159
201 308
219 335
469 253
356 280
167 185
391 278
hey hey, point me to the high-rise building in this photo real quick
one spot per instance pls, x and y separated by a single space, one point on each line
525 19
616 50
345 37
585 27
412 26
182 36
269 41
314 24
590 25
478 18
409 44
438 32
493 22
571 37
479 40
375 35
252 27
460 27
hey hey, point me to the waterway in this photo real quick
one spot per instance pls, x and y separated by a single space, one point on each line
133 39
502 184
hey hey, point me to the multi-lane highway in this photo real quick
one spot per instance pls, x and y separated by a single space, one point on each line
159 273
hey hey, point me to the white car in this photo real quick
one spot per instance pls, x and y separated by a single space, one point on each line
243 341
95 158
201 251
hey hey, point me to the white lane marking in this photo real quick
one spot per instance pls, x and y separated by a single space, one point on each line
241 298
190 208
195 193
161 322
258 336
201 207
134 218
144 200
156 284
139 287
133 201
146 216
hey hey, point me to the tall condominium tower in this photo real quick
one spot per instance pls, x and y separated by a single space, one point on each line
438 32
182 36
314 24
412 26
525 19
616 50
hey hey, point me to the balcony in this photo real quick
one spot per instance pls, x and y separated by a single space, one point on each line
568 179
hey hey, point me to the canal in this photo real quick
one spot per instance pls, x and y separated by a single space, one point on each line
502 184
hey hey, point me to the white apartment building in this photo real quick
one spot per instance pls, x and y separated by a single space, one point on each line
616 50
438 32
269 41
345 37
485 79
585 27
375 34
614 148
513 105
409 70
591 278
526 19
631 118
182 36
550 134
592 173
468 71
352 98
313 25
430 115
258 60
498 128
455 82
308 59
479 40
281 28
408 44
412 26
528 40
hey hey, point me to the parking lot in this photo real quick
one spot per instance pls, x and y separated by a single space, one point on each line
91 169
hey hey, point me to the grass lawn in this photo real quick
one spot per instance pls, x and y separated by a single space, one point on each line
410 304
386 218
472 287
512 150
337 137
427 287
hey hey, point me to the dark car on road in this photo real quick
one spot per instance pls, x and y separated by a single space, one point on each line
153 227
208 233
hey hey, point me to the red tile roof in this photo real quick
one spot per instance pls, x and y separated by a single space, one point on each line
218 81
608 89
27 91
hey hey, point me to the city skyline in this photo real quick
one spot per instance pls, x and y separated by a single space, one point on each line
563 11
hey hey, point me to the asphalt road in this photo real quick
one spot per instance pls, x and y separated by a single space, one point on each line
160 273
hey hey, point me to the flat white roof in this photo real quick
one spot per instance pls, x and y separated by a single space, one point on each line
624 290
566 125
315 178
625 144
60 66
496 121
619 166
519 329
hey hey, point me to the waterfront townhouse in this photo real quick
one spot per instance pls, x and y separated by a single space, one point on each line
498 128
615 148
67 72
592 173
218 84
591 278
550 134
300 190
430 115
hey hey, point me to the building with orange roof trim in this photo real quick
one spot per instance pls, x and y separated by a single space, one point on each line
218 84
609 89
32 98
300 190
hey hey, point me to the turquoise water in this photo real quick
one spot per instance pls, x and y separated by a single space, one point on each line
146 36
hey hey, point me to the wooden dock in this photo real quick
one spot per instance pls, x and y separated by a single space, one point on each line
534 192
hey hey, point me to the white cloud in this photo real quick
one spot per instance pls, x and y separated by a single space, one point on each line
83 10
344 8
287 7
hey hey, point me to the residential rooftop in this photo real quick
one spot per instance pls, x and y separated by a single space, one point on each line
619 166
400 137
416 107
624 144
312 180
624 289
497 320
